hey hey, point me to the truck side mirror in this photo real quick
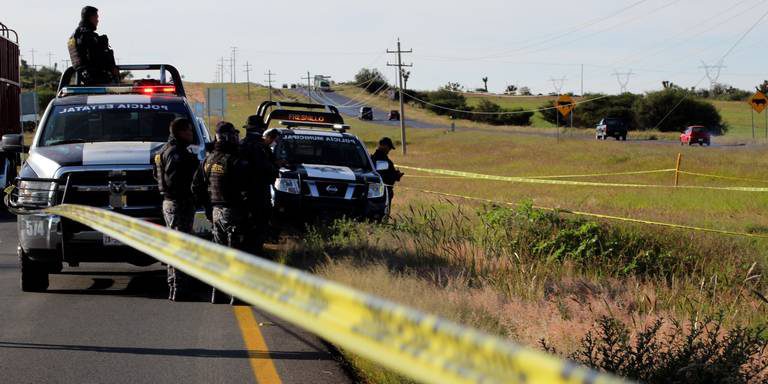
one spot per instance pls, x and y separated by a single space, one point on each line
382 165
13 143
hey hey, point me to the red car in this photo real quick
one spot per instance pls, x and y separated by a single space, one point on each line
695 134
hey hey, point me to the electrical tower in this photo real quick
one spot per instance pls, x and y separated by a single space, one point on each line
221 69
712 72
233 65
400 95
558 83
623 79
269 75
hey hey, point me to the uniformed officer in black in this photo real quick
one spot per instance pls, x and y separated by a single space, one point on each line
220 185
391 175
90 53
175 166
262 171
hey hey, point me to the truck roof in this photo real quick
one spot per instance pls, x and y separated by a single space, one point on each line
107 99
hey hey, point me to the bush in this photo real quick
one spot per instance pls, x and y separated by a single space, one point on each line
674 109
587 115
701 352
371 80
486 106
444 98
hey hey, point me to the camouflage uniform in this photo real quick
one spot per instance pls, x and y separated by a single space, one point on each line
174 167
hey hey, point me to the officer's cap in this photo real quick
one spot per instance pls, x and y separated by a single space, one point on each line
387 142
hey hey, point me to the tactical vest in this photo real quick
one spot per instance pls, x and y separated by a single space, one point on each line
222 186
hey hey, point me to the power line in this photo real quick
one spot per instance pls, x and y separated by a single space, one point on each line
712 72
400 66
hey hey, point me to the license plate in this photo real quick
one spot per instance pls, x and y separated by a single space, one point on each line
110 241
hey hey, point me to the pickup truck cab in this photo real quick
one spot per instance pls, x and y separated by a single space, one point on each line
94 147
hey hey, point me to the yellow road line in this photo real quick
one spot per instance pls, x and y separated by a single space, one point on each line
263 368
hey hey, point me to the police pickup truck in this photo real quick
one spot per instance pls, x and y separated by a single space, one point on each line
326 172
93 147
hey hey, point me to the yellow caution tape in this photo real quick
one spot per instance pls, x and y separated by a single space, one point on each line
597 215
603 174
722 177
518 179
421 346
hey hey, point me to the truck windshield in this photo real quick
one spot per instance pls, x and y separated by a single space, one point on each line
111 122
323 150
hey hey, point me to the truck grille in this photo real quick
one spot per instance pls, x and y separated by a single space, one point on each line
134 192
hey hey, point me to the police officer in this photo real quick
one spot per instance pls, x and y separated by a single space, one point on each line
175 166
262 173
220 185
90 53
391 175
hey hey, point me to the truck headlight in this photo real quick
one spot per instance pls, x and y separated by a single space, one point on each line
288 186
375 190
37 193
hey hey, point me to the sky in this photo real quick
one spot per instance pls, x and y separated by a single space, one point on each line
526 43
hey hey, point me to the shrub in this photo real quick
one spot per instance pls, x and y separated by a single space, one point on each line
444 98
701 352
587 115
519 118
674 109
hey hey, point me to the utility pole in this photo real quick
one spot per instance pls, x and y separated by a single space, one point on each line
712 72
248 79
66 63
221 69
623 83
309 86
50 59
269 75
234 65
400 96
582 80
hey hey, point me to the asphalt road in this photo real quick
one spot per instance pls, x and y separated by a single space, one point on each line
111 323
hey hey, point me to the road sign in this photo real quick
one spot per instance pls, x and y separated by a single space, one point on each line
758 101
565 105
216 101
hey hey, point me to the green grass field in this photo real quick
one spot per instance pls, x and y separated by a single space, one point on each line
511 295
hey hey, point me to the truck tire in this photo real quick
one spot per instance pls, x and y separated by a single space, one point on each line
34 275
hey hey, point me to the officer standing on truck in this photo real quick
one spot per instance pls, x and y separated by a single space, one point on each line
219 186
174 168
391 175
90 53
262 174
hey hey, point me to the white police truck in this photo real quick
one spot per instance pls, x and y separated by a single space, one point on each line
94 147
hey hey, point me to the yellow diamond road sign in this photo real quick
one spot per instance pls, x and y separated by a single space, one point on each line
565 105
758 101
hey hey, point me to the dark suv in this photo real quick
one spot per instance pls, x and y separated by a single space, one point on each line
327 172
613 127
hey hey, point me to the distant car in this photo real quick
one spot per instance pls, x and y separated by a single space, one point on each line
366 113
285 86
613 127
394 115
695 134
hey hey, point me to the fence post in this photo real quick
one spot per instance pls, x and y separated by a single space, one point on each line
677 168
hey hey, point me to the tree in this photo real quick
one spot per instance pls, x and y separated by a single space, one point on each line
587 115
453 87
524 91
446 98
671 110
371 80
510 89
763 87
485 83
494 114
